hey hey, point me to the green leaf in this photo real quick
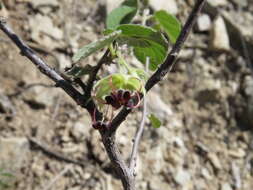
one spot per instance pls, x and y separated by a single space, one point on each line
133 84
155 122
140 73
87 50
77 71
146 41
123 14
169 24
104 86
154 51
138 35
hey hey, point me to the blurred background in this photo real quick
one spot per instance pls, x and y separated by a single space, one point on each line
205 103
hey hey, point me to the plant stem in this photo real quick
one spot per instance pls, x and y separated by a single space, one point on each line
137 138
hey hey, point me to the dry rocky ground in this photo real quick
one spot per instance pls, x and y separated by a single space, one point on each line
206 103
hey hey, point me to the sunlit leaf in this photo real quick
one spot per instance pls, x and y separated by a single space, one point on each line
138 35
123 14
154 51
146 41
155 122
78 71
87 50
168 23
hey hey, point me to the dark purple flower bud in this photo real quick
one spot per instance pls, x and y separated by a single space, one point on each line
120 94
109 99
116 104
127 95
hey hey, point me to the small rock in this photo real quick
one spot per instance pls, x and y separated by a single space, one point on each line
217 3
157 106
155 159
226 186
248 85
241 3
203 23
42 3
38 97
219 40
80 130
6 105
112 4
178 142
3 11
236 173
156 183
13 152
182 177
206 174
239 153
168 5
214 160
45 33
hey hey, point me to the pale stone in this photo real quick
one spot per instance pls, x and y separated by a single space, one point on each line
226 186
203 23
168 5
112 4
182 177
217 3
239 153
38 3
219 40
214 160
45 33
13 152
157 106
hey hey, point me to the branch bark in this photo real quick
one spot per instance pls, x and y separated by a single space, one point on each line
121 168
25 50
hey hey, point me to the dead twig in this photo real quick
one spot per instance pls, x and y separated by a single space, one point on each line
139 132
94 73
54 154
56 178
29 86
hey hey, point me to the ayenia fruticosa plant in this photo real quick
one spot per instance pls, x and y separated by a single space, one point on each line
124 89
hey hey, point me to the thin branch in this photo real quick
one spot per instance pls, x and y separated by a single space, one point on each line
51 73
170 60
54 154
94 73
56 178
167 65
137 138
81 84
28 87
